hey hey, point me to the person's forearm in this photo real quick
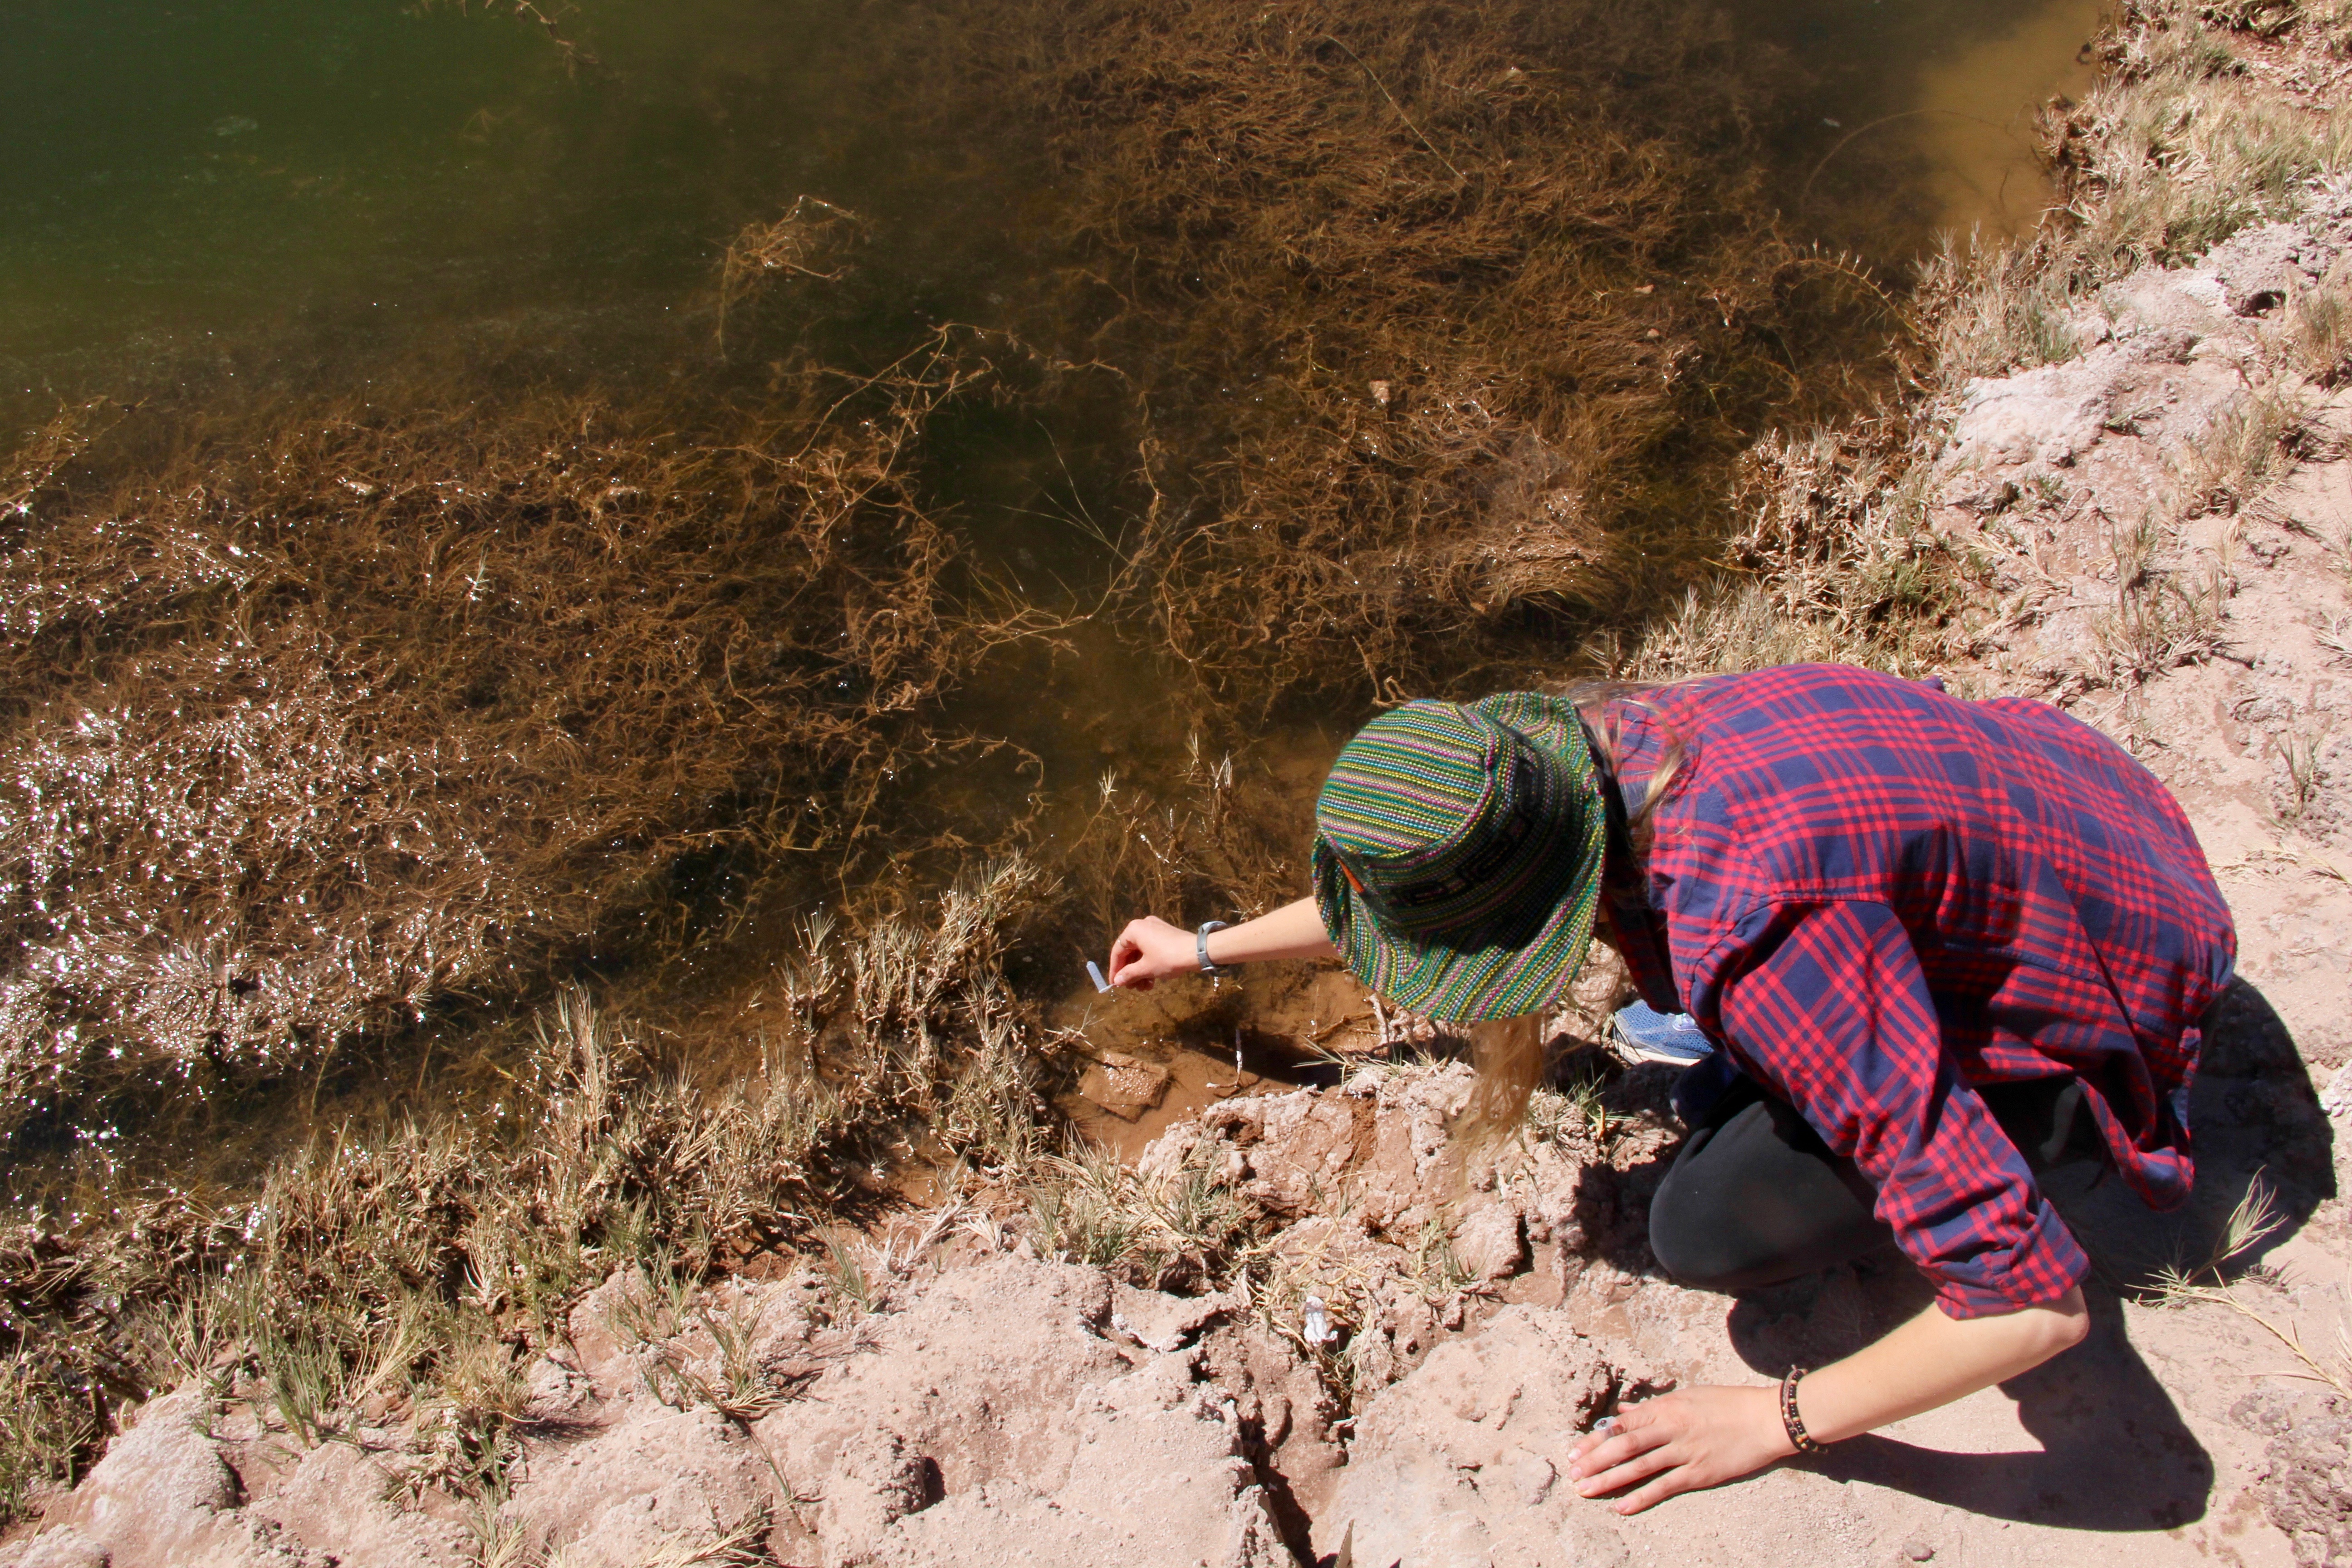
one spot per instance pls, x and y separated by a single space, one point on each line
1933 1360
1705 1435
1150 948
1294 930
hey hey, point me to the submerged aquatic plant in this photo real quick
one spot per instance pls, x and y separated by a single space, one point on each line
1434 312
319 713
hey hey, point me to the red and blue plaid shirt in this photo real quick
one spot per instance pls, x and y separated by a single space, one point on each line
1879 897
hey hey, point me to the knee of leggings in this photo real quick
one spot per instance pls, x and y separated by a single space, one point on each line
1689 1242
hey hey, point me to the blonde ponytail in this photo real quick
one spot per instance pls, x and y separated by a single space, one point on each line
1508 1054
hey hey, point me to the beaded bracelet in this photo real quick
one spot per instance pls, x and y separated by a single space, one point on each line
1806 1443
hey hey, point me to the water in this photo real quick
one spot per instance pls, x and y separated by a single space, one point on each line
208 183
237 187
1963 91
206 198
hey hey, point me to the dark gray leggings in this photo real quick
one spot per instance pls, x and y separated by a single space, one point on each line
1754 1196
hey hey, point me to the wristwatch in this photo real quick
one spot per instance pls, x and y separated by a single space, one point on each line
1200 946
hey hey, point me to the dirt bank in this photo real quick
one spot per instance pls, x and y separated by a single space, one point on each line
976 1403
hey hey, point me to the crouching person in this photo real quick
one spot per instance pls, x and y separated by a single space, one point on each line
1939 947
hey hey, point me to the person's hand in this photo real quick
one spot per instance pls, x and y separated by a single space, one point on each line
1681 1442
1150 948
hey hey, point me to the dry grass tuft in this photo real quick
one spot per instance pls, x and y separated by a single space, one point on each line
1995 308
2179 146
405 1273
2213 1282
2197 130
1834 562
2317 328
1181 1230
2252 446
47 1419
2162 618
2194 133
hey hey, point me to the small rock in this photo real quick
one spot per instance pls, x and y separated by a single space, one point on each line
64 1548
1588 1543
163 1493
1490 1242
1534 1475
1916 1549
2337 1099
556 1389
1123 1085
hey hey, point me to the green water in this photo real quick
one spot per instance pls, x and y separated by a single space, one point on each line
204 198
298 188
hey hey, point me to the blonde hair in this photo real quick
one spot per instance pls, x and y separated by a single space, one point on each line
1508 1053
1592 699
1508 1056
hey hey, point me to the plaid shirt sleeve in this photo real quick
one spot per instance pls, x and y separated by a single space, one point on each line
1826 1004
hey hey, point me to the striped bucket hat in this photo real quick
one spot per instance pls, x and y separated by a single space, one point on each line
1457 855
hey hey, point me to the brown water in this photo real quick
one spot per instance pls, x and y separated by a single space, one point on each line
214 196
231 186
1978 128
1187 1044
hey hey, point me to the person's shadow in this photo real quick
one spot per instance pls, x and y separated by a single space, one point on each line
2116 1454
2258 1135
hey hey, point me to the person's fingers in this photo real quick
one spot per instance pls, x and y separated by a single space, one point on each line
1631 1432
1618 1448
1639 1467
1125 950
1673 1483
1622 1461
1648 1412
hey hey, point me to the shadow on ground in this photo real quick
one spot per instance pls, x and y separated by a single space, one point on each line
2116 1454
2253 1116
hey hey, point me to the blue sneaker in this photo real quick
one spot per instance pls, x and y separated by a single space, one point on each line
1646 1035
